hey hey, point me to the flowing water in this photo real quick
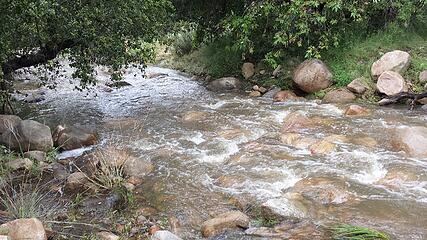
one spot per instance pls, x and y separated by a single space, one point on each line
233 149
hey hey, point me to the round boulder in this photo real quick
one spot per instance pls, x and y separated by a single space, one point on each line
28 135
396 61
341 95
312 75
391 83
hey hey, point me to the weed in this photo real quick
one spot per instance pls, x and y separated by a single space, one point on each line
26 200
348 232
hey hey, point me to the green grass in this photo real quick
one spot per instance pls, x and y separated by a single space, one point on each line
354 58
348 232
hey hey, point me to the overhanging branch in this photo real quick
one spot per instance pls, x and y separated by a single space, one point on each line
42 56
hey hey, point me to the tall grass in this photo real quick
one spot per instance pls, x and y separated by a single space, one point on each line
28 200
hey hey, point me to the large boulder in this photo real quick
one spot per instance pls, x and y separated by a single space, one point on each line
312 76
412 140
73 137
28 229
225 84
391 83
8 122
341 95
396 61
248 70
228 220
28 135
357 86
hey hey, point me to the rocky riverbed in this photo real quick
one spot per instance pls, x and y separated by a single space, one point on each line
199 162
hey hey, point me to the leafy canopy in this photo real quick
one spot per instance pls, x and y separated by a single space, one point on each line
90 32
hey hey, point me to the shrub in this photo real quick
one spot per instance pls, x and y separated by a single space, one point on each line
348 232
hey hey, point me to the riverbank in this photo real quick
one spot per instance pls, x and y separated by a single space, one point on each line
351 60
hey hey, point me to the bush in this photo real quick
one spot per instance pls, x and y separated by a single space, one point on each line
183 42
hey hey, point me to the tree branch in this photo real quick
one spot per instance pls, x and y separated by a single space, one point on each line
42 56
404 95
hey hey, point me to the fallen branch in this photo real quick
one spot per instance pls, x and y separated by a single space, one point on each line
404 95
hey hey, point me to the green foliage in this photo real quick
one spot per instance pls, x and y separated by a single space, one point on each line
217 59
355 56
269 27
348 232
183 38
112 33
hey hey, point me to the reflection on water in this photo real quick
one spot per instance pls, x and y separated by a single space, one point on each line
233 148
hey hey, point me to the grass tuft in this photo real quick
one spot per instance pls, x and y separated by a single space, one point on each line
349 232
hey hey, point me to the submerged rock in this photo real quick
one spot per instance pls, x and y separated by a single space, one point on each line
356 110
297 140
28 135
164 235
322 147
322 190
233 219
285 96
28 229
73 137
194 116
412 140
341 95
396 61
312 76
391 83
225 84
282 208
8 122
296 122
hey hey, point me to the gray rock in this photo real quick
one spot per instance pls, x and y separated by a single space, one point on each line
8 122
411 140
357 86
271 92
423 77
39 156
19 164
28 135
341 95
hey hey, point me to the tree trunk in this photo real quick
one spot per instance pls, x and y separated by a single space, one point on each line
404 95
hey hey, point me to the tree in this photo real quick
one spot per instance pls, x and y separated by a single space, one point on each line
89 32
